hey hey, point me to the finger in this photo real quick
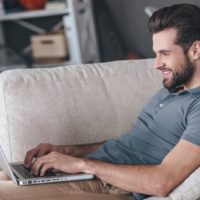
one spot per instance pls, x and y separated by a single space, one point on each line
29 156
45 167
39 162
44 149
39 151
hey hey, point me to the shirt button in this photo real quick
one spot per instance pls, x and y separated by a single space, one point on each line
161 105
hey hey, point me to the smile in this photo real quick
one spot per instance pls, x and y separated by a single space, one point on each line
166 72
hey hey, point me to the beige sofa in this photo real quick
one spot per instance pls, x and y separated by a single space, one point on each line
76 104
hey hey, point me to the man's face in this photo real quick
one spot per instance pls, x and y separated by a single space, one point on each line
171 60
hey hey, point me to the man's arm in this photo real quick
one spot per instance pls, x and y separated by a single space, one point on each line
156 180
73 150
80 150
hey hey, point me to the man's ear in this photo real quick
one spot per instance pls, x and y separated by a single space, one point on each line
194 50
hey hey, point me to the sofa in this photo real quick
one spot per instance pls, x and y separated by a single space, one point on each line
76 104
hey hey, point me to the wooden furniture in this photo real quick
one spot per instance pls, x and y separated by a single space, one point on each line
77 19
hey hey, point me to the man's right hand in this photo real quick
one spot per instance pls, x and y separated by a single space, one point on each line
41 150
72 150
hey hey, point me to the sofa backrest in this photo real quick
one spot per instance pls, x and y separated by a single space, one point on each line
72 104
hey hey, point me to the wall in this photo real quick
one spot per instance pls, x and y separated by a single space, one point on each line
132 22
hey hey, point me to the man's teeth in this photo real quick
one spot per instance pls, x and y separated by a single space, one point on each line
165 72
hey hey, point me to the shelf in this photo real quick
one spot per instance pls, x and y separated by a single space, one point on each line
4 68
53 64
76 18
33 14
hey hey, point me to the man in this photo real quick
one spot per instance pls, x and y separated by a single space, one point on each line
163 147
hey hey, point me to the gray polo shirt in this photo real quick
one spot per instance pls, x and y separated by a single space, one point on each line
167 118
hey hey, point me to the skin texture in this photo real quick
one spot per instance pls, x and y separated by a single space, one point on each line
170 58
156 180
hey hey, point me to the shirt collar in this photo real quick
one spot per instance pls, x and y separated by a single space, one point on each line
193 91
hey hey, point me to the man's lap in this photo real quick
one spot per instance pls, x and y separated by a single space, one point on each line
89 189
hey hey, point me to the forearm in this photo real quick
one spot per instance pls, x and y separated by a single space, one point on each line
146 179
156 180
79 150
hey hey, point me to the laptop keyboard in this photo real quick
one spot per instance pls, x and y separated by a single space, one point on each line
26 172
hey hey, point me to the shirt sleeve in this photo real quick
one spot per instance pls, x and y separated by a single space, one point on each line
192 131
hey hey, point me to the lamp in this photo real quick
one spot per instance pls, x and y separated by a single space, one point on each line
149 10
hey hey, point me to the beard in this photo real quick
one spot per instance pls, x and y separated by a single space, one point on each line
181 76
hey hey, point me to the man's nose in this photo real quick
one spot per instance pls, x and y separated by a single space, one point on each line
158 63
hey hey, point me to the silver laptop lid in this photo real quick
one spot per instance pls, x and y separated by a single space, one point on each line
5 165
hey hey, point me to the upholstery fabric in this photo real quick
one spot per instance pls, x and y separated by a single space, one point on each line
189 189
72 104
159 198
78 104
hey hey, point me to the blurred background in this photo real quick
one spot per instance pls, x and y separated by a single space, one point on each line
131 21
47 33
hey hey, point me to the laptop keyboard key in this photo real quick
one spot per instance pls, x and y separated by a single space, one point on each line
26 172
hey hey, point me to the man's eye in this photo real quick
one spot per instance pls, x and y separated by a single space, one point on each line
165 54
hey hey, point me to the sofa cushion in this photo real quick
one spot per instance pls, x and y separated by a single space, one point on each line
72 104
189 189
158 198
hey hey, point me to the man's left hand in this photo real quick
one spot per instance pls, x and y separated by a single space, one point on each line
56 161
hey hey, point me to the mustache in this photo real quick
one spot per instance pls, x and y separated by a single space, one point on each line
165 69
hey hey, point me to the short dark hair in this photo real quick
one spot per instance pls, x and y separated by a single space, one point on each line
185 18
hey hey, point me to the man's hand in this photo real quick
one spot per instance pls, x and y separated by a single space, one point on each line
40 150
73 150
157 180
57 161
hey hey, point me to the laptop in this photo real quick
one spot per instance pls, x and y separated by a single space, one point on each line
22 175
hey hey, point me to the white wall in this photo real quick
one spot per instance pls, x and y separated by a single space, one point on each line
132 22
